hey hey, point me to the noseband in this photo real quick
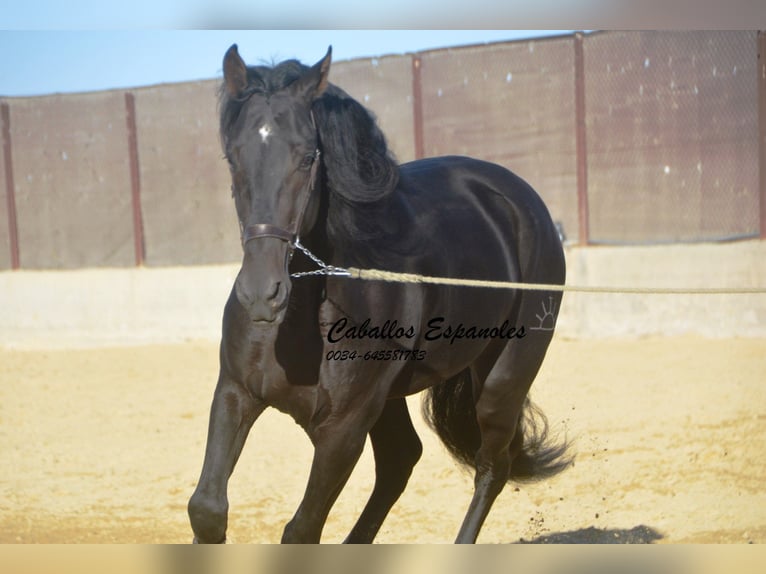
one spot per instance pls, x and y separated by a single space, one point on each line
266 230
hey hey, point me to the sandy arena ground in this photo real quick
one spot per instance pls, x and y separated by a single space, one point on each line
670 436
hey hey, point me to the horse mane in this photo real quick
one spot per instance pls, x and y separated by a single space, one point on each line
360 172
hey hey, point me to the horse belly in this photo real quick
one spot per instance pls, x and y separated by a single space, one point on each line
452 337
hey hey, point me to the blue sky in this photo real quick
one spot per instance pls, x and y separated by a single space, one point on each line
53 61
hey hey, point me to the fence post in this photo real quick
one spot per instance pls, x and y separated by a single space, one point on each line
581 149
762 127
417 106
10 187
135 179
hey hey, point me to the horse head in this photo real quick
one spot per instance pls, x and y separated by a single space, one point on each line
270 140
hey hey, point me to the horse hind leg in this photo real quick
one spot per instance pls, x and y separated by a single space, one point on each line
397 449
499 406
232 414
493 465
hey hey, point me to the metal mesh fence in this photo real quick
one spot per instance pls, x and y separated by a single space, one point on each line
669 121
71 181
672 136
512 104
188 213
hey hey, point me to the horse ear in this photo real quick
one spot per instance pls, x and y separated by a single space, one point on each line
315 81
234 72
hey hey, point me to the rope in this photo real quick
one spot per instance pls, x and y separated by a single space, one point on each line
389 276
378 275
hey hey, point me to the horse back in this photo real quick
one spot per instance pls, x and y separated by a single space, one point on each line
486 220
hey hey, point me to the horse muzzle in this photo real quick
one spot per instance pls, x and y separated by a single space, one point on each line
264 299
263 284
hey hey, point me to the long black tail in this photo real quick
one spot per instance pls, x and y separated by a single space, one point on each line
450 410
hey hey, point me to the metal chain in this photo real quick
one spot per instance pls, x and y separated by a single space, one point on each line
324 269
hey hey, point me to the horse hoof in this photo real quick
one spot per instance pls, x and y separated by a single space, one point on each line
224 541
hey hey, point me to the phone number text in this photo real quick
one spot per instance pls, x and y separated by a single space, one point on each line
382 355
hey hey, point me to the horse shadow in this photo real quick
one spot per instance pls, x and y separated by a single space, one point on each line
597 560
638 535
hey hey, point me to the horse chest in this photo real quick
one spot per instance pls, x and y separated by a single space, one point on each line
297 401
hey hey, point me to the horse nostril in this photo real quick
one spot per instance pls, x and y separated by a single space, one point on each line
275 291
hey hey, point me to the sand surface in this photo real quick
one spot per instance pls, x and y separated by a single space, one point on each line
670 436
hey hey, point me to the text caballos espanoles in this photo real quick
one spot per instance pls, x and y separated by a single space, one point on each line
436 328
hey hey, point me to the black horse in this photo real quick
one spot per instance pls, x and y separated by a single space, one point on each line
339 354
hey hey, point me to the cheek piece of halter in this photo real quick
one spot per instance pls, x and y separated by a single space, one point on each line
269 230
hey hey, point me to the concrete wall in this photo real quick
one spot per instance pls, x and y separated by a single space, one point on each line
740 264
101 307
97 307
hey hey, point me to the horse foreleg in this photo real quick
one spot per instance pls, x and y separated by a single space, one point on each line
232 414
397 449
337 447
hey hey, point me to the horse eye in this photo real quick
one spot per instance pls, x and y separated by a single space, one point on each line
307 161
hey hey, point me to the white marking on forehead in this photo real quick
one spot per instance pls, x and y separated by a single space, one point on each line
265 132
